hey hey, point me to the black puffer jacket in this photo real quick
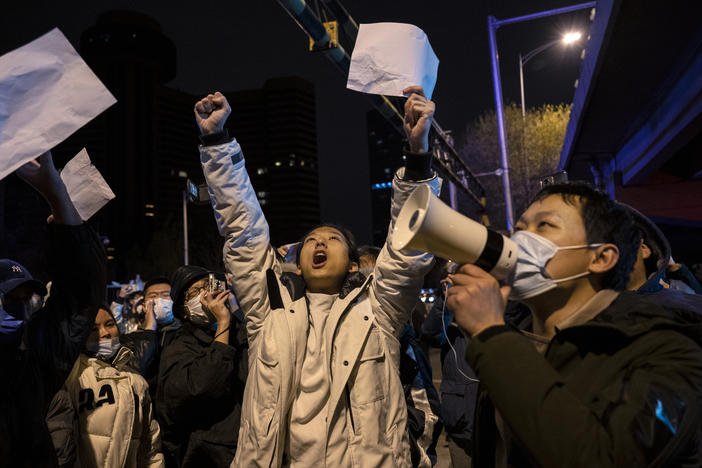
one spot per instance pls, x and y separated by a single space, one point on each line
53 338
200 389
623 389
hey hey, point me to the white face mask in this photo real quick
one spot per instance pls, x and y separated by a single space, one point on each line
104 348
530 276
163 311
196 314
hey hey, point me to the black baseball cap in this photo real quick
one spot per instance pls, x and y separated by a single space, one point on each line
12 275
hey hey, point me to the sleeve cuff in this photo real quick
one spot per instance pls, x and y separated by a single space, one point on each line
214 139
417 165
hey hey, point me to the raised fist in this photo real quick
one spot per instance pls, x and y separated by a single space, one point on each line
419 112
211 112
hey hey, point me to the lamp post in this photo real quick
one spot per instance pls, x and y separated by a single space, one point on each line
493 24
198 195
567 39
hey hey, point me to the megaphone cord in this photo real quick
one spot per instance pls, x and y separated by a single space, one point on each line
455 355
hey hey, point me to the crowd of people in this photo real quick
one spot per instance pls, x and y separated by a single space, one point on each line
314 353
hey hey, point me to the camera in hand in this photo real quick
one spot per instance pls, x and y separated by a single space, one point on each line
214 285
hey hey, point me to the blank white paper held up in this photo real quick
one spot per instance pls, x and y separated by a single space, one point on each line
85 185
47 92
389 57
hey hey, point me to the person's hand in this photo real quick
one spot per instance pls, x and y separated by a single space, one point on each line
42 175
476 299
672 265
211 112
419 112
150 318
216 303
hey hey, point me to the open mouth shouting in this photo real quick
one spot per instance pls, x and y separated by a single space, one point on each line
319 259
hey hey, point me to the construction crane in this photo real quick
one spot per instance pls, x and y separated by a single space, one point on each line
323 27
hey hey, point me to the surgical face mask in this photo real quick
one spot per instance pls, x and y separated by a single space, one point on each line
10 326
104 349
530 278
12 317
163 311
20 310
196 314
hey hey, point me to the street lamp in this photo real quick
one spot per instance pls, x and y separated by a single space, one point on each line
567 39
493 25
198 195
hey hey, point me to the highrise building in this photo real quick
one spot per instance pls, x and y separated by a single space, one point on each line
146 148
385 156
276 128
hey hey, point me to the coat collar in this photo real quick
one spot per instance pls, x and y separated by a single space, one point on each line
297 288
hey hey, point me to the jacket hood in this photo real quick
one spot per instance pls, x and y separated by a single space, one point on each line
632 314
660 249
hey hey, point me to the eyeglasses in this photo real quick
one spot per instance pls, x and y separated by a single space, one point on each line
194 291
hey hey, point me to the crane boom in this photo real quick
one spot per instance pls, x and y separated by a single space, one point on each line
447 161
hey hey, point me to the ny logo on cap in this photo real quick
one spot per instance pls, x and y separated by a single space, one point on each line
16 269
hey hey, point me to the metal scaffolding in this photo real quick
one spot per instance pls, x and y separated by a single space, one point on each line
323 27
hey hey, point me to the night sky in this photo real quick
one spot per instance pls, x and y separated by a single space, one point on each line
239 44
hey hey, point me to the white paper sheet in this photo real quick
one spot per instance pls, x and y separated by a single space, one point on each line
47 92
389 57
85 185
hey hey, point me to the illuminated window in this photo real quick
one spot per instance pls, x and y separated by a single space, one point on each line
278 163
183 174
262 194
261 170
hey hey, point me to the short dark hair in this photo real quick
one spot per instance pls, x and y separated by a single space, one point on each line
605 221
155 281
368 250
348 237
106 308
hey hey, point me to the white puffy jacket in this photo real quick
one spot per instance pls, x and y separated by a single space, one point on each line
116 425
363 357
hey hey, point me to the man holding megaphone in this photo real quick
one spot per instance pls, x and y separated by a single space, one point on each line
601 376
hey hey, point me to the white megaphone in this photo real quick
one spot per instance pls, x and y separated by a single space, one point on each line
427 224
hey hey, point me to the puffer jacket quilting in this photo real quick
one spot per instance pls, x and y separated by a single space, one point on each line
116 424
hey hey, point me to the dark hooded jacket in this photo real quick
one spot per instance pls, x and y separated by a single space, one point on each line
52 340
200 387
623 389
